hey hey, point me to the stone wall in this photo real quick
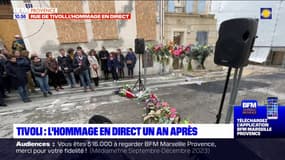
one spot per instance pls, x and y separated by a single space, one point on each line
190 24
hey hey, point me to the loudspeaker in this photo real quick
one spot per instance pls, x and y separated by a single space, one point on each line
235 42
139 46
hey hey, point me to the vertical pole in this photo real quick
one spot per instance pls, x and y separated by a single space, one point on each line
223 96
162 29
144 79
140 72
232 92
233 98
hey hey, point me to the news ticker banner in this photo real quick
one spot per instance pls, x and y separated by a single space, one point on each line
254 120
123 131
52 14
139 149
250 120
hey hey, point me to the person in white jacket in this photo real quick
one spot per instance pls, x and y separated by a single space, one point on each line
94 66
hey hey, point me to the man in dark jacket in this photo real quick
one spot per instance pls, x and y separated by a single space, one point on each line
121 60
113 66
22 61
40 71
81 66
65 65
131 60
19 78
104 56
2 92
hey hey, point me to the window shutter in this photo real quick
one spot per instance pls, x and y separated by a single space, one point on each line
202 38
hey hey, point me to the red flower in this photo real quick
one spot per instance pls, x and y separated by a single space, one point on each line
164 104
158 47
178 52
173 110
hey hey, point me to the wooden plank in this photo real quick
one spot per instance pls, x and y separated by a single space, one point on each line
146 19
70 31
103 29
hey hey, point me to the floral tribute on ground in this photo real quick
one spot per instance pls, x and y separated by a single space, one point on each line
156 110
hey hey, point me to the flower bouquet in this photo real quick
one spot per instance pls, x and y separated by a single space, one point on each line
156 111
142 96
199 53
161 113
125 91
159 52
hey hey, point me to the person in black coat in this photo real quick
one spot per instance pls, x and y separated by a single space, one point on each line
65 64
113 66
18 77
2 72
6 79
81 67
121 60
131 60
104 56
40 70
22 61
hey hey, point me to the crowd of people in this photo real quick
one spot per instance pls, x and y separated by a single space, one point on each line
76 68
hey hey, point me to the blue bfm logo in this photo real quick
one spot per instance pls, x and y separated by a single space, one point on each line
249 107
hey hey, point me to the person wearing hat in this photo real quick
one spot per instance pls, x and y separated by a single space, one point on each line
18 44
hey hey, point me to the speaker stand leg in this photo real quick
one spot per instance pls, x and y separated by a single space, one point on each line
218 116
234 93
139 81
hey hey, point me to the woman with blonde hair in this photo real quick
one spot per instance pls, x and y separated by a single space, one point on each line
94 67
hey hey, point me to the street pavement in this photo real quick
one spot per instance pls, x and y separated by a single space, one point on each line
196 98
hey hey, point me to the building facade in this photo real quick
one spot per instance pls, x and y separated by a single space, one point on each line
112 34
181 21
189 21
41 36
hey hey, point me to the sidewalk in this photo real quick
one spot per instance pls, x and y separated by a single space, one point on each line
169 79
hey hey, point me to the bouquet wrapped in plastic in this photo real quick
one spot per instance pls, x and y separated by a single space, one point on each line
126 93
142 96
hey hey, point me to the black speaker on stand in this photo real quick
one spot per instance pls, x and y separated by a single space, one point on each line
139 49
233 48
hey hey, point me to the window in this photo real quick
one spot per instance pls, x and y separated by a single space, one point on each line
189 6
171 6
179 6
5 2
6 9
178 38
201 6
202 37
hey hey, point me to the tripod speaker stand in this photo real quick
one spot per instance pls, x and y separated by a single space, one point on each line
139 85
139 49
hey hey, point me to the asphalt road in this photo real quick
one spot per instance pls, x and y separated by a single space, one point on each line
197 101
